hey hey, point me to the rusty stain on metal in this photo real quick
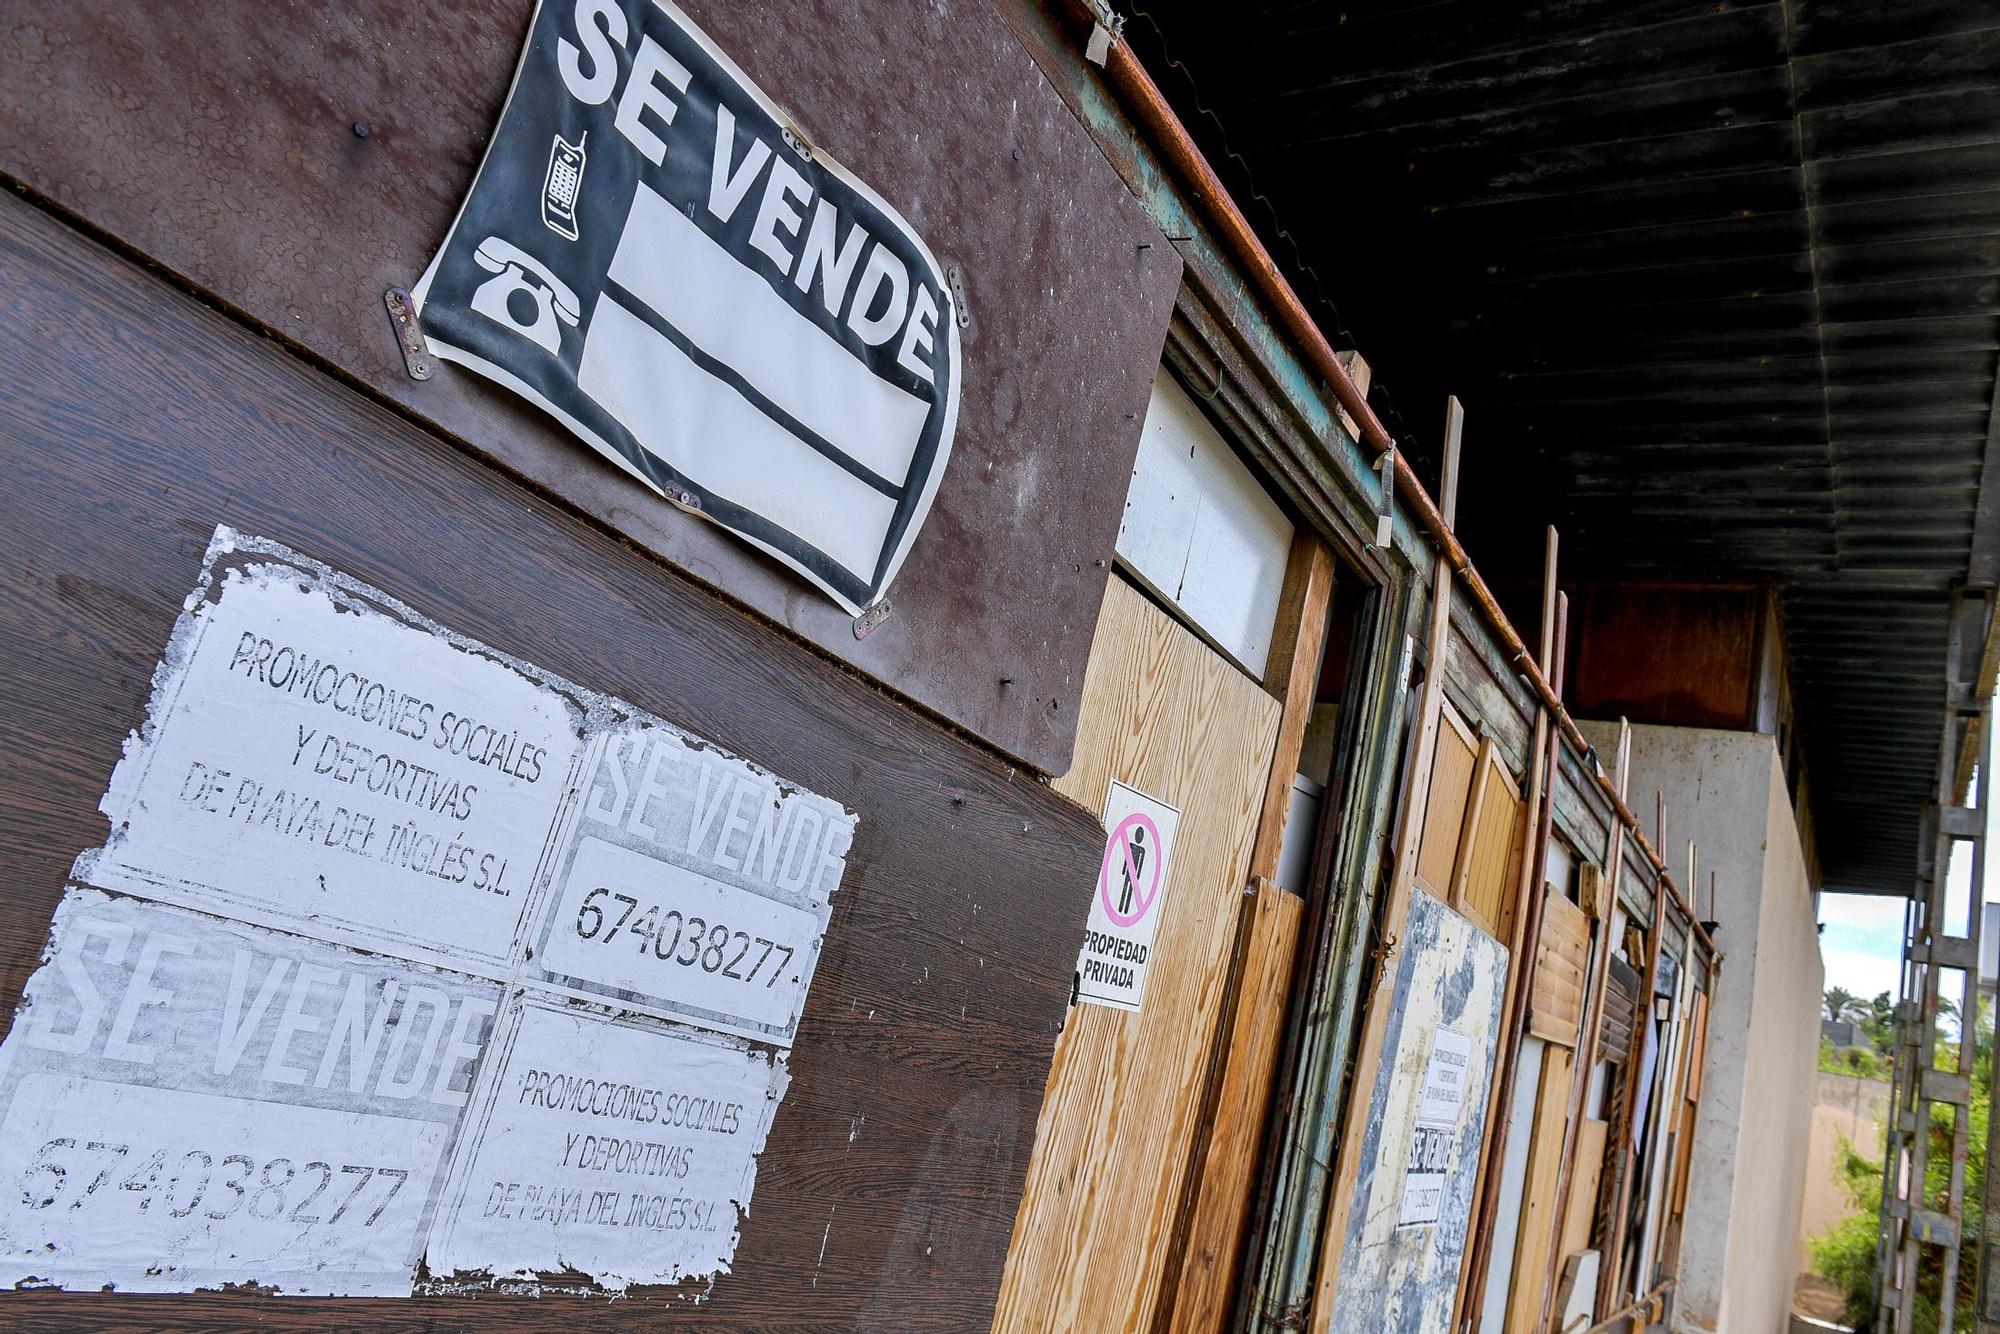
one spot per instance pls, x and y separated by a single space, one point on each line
403 319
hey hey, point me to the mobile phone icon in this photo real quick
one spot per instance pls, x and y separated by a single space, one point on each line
561 185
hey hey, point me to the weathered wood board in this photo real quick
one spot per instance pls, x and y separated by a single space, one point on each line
136 420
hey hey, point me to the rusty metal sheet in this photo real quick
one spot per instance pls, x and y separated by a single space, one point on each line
295 161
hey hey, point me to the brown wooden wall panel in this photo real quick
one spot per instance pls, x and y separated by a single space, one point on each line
134 420
1684 655
218 140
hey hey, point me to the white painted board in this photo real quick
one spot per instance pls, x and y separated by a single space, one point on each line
691 885
1201 532
1989 945
1400 1261
1127 899
1440 1099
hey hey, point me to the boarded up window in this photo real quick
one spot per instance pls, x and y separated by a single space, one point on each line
1556 1004
1489 852
1452 772
1621 1003
1469 854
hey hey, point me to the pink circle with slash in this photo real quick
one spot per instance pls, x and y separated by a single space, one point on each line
1118 848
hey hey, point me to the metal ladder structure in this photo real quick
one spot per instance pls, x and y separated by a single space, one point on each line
1941 951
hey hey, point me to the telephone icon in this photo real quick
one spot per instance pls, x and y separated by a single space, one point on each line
523 294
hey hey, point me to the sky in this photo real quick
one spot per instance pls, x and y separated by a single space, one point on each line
1861 940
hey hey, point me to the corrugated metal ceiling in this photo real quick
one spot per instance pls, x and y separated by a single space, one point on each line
1718 282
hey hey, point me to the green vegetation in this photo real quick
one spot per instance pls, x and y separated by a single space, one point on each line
1844 1255
1852 1061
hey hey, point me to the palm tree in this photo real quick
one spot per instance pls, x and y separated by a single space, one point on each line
1840 1003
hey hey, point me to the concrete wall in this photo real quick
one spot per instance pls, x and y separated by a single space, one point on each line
1726 790
1846 1105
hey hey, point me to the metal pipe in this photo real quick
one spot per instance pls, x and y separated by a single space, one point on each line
1152 113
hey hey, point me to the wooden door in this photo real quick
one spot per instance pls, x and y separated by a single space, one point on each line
1165 714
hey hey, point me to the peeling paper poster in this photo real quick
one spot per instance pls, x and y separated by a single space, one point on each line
617 1149
192 1102
404 958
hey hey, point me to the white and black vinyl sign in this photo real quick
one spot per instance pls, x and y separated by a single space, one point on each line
653 253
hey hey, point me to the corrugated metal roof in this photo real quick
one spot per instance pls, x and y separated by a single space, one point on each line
1718 282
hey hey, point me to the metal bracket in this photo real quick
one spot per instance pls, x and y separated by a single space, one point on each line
954 278
409 334
1107 26
1385 515
865 623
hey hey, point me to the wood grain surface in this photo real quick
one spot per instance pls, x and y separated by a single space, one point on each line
1202 1283
135 419
1165 714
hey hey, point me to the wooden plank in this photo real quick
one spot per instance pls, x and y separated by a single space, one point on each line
1538 810
1581 1196
1453 769
1538 1198
136 417
1556 1004
1165 714
1490 850
1203 1283
1698 1046
1206 1284
1293 678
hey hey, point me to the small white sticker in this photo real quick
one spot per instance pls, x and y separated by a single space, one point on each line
1440 1099
617 1150
1127 900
